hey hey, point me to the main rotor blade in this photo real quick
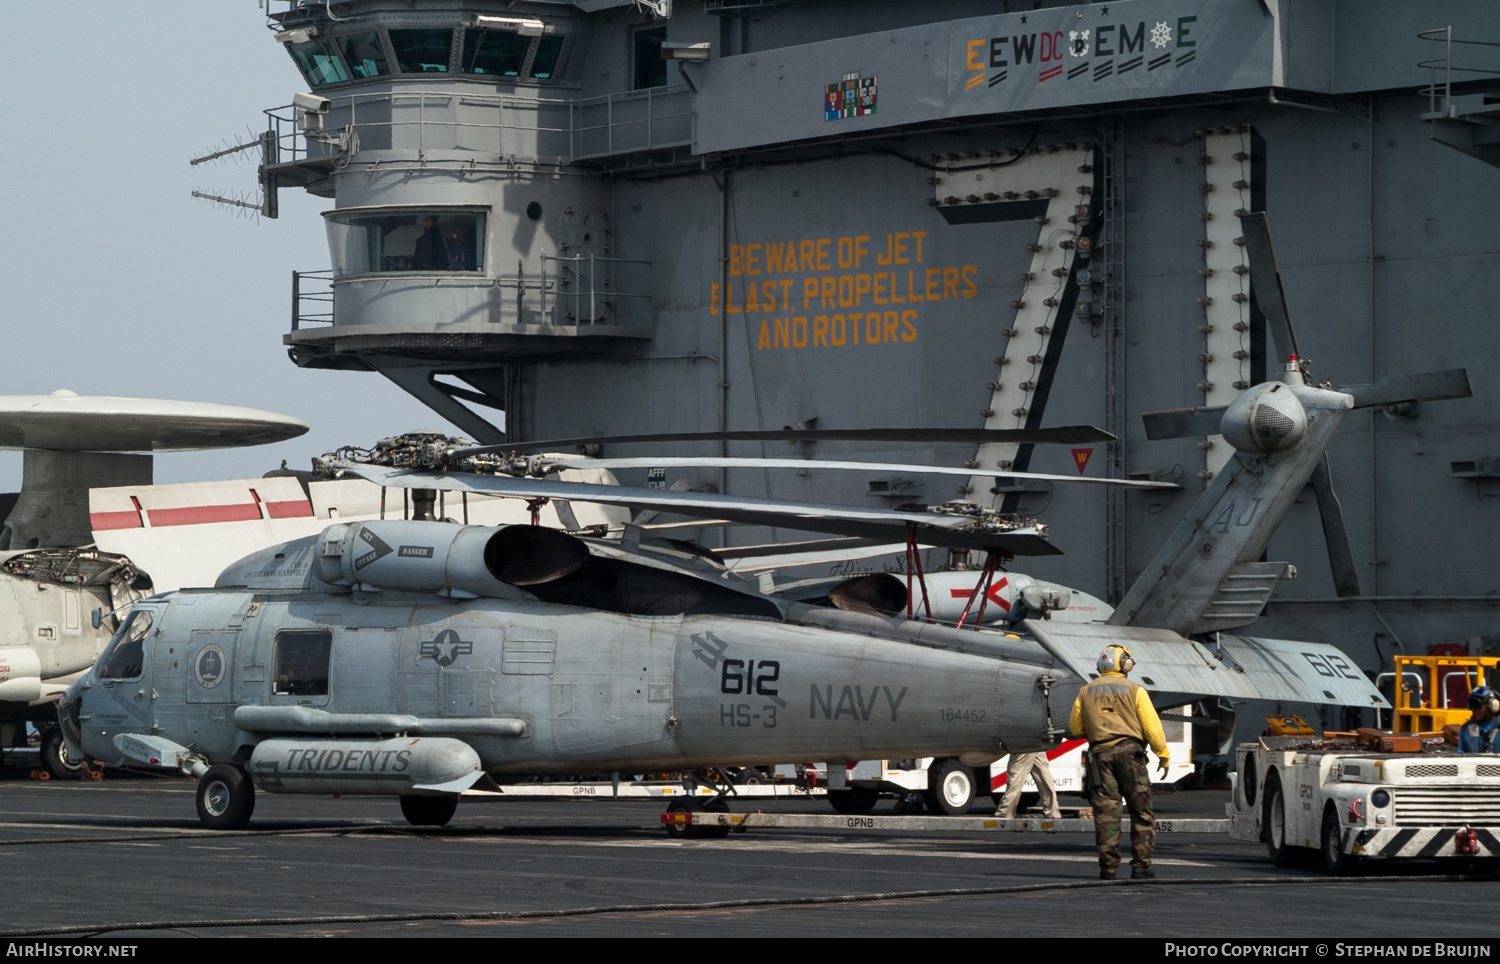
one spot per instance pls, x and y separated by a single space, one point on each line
820 552
1423 387
1183 422
1340 556
1062 435
738 463
816 545
952 531
1265 282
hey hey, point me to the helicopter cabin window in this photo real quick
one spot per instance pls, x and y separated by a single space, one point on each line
300 663
125 656
319 62
422 51
364 55
422 240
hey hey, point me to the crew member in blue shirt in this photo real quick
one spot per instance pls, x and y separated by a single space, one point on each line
1482 733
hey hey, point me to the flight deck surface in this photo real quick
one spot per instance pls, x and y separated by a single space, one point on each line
130 850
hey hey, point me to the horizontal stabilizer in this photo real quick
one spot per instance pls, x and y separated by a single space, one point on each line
1421 387
1164 661
1245 667
1296 672
1183 422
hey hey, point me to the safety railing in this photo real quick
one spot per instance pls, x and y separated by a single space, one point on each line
312 298
585 292
569 291
638 120
1441 68
423 121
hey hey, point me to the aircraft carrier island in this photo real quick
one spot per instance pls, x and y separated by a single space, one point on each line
606 217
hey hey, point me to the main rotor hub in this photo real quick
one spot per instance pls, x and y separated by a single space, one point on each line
417 451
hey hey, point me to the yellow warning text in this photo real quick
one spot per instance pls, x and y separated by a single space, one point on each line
836 292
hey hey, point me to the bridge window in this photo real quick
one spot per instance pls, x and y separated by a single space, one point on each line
498 52
364 55
422 51
420 240
301 663
319 62
545 61
650 68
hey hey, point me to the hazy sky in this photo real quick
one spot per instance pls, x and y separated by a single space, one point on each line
116 281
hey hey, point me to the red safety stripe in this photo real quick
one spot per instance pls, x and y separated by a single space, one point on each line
115 520
290 510
1067 746
134 519
199 514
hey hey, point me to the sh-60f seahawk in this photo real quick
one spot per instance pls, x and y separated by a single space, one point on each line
419 659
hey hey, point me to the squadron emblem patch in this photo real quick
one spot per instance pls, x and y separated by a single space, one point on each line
209 666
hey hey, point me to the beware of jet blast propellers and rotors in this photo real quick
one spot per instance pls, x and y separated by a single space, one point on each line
421 658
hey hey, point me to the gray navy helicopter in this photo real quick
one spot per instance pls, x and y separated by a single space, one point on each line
421 658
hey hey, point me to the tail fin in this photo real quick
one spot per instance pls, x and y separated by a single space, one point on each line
1207 577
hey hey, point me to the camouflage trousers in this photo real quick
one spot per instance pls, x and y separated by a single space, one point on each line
1116 772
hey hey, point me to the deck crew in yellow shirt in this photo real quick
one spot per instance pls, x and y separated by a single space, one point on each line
1117 717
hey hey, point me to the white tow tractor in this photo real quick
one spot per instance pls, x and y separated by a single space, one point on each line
1331 797
949 785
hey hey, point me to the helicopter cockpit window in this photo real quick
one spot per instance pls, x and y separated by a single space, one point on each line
423 51
364 55
125 657
406 241
301 663
319 62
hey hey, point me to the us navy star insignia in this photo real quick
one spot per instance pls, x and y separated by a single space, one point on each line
446 648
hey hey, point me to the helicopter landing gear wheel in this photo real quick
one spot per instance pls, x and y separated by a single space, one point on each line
714 831
55 758
679 830
429 811
853 801
950 788
225 797
695 830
